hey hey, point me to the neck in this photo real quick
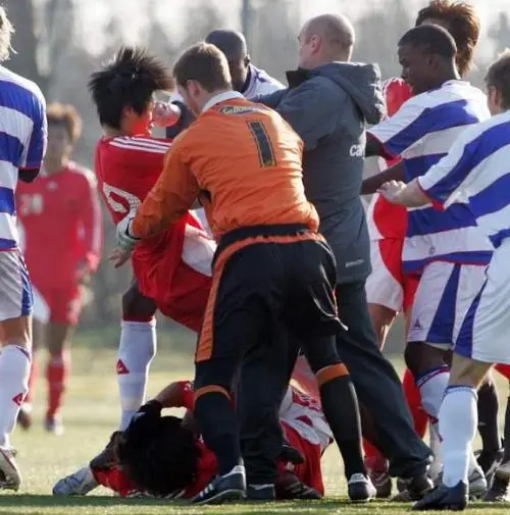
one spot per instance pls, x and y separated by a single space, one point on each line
55 165
213 94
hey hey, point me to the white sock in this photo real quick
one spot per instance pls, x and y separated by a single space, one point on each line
14 371
458 420
136 350
432 386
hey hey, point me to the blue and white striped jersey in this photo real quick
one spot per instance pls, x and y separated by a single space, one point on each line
23 135
477 171
422 132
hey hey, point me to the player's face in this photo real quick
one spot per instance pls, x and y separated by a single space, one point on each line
416 67
239 72
193 96
136 123
59 143
308 45
494 100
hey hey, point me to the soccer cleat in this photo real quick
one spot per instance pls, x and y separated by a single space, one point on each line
414 488
10 476
360 488
54 426
489 462
261 492
25 417
289 487
477 484
503 471
291 454
445 498
229 487
105 459
80 483
377 469
498 492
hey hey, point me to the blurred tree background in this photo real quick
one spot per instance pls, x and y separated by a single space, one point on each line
56 48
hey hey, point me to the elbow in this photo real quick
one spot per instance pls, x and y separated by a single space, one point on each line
28 175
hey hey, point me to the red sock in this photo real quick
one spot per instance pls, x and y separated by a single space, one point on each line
57 373
34 372
413 398
372 453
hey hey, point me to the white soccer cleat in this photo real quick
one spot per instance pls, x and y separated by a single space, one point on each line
80 483
10 476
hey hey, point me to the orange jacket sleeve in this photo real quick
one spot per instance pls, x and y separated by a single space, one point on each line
170 198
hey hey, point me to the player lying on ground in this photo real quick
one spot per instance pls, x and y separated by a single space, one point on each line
163 456
474 173
62 223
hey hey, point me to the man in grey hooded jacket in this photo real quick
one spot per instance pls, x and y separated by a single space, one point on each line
328 103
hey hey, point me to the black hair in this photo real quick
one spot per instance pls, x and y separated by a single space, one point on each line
230 42
432 39
128 80
159 455
498 76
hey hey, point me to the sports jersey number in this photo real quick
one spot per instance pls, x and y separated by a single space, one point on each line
266 154
31 204
132 200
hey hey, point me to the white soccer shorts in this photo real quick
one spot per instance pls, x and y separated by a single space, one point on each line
485 332
16 299
444 295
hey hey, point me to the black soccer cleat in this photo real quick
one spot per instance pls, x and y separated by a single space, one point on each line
289 487
360 488
498 492
416 487
445 498
291 454
229 487
261 492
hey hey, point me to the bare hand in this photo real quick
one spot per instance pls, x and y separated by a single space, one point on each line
391 190
165 114
119 256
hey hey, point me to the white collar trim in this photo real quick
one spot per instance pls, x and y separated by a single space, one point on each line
221 97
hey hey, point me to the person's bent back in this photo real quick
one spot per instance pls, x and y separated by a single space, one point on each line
271 193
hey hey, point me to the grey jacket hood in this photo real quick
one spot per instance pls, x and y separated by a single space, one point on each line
362 82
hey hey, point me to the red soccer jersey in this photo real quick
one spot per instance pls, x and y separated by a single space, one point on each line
207 468
61 221
127 168
390 220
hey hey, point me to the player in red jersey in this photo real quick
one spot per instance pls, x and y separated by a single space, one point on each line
61 219
389 290
163 457
172 271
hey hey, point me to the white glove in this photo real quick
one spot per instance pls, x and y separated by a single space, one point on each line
125 239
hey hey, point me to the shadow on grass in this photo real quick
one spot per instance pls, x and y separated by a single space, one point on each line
331 505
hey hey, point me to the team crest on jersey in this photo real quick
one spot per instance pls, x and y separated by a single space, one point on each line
240 110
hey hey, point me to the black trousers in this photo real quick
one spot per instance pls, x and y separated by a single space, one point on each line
377 384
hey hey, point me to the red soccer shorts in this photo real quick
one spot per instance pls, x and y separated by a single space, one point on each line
387 285
64 303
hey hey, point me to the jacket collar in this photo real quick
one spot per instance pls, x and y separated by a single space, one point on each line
221 97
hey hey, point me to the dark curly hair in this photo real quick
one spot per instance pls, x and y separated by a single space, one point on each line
461 21
159 455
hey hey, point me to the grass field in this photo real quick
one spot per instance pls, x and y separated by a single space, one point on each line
91 413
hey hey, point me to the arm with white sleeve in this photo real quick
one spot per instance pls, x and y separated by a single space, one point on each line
35 146
444 182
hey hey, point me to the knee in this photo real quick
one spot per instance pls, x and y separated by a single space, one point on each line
413 357
136 306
